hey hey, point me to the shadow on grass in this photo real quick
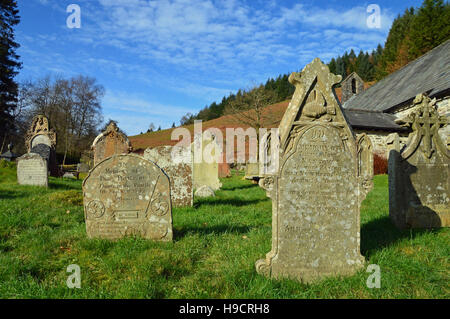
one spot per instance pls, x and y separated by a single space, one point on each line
232 188
61 185
6 194
380 233
207 230
228 202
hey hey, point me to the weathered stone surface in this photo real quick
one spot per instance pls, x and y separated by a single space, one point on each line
224 170
316 194
127 195
82 168
69 175
251 170
365 164
110 142
40 133
177 164
419 178
205 191
40 139
32 170
206 168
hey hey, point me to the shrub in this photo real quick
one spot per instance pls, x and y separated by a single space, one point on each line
380 164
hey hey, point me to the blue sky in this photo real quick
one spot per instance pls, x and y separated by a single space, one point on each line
160 59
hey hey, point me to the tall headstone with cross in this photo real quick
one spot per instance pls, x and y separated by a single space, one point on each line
317 191
419 180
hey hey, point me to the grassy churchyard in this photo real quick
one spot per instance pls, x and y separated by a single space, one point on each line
216 244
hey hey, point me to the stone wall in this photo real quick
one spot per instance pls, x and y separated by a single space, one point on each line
379 138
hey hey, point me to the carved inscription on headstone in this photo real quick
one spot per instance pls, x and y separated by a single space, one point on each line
419 179
127 195
317 192
32 170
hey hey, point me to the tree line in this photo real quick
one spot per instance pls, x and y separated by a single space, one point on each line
412 34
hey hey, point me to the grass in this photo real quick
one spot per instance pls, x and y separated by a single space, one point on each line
215 246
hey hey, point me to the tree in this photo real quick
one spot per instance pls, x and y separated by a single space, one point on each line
72 107
429 27
9 66
248 109
151 128
173 125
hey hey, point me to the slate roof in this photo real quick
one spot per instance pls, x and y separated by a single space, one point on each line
360 119
430 73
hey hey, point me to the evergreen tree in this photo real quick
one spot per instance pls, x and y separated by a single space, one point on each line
429 28
9 65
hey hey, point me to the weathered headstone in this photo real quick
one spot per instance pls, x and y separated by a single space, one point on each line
177 164
82 167
110 142
251 170
40 139
205 191
32 170
206 168
419 192
224 170
317 192
127 195
365 164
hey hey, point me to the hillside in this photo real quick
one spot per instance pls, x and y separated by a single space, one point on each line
163 137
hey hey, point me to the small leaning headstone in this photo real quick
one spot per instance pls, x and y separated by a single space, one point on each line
127 195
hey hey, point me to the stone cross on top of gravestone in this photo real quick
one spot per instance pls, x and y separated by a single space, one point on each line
425 123
317 191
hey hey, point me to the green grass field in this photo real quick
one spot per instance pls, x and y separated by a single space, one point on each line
215 246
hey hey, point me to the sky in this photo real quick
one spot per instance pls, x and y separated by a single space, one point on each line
161 59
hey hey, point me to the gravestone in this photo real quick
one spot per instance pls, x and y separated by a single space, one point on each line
110 142
206 167
205 191
40 139
365 163
251 170
419 179
224 170
127 195
177 164
32 169
316 193
82 167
